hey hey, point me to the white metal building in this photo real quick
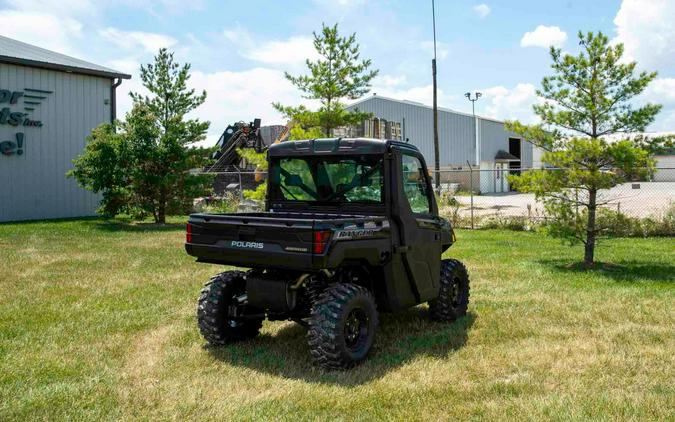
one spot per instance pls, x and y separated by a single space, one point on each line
464 140
49 103
665 167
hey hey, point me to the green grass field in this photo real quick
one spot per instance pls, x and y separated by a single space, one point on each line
97 322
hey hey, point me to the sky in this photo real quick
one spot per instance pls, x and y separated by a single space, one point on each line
240 50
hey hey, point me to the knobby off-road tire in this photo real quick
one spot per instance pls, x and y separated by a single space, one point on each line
212 311
453 295
342 326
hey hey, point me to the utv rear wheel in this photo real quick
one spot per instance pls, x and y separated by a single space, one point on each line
342 326
216 302
453 295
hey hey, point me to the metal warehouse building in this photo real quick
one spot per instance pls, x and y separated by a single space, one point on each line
463 139
49 103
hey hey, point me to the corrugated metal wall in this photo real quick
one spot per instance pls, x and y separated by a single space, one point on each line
456 132
34 185
495 138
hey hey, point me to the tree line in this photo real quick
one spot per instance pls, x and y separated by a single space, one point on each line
142 166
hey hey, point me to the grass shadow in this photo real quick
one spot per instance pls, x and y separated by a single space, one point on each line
401 337
128 226
623 271
48 221
117 224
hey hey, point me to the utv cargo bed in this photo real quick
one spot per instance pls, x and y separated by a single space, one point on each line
290 240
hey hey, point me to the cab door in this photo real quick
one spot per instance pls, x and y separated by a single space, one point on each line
420 231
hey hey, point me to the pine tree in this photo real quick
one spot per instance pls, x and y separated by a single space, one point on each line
588 97
339 74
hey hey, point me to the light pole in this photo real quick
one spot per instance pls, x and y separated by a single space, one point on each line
473 100
437 159
476 96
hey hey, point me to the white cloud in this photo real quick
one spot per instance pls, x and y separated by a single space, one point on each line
665 123
231 97
397 87
544 36
131 40
294 50
482 10
646 29
41 29
239 36
126 65
389 81
511 104
661 91
245 95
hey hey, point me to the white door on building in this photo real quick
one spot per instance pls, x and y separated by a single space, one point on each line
501 183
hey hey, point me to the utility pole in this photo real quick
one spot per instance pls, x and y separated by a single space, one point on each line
437 158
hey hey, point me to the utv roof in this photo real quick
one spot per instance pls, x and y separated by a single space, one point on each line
335 146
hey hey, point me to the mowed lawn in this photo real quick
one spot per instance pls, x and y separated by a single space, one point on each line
97 321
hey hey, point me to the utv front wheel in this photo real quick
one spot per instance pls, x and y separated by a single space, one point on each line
342 326
217 301
453 296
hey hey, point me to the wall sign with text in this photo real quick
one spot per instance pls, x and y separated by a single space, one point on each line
12 147
16 108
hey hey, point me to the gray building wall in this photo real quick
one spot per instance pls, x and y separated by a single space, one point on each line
455 130
493 137
34 184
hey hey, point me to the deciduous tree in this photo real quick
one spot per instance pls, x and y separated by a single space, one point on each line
144 167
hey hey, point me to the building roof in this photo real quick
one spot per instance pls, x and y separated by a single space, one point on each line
418 104
20 53
505 156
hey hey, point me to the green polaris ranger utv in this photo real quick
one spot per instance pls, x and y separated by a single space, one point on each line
350 229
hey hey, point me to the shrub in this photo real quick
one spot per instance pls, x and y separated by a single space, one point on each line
229 202
617 224
515 223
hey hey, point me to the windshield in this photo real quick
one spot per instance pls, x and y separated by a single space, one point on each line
328 179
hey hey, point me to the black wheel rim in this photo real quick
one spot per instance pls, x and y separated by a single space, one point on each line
233 308
356 330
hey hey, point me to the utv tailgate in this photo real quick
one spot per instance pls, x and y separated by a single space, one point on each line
251 239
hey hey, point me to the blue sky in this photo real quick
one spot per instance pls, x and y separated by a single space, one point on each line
239 50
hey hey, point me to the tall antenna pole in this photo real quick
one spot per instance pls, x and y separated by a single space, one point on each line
437 159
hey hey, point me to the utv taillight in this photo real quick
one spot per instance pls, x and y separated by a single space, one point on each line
188 233
320 241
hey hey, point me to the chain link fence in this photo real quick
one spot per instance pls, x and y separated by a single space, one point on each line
475 197
472 198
